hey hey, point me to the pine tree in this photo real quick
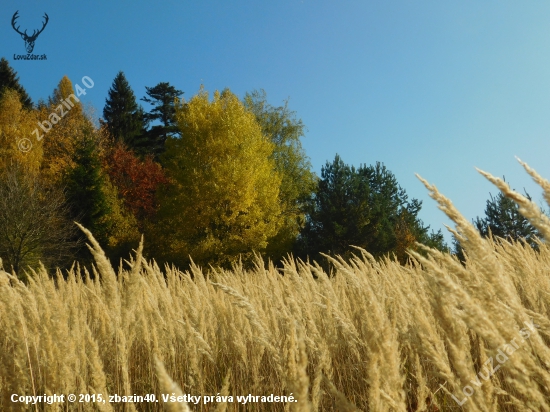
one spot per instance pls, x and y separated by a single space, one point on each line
9 80
339 211
162 97
436 240
85 184
363 207
124 118
503 219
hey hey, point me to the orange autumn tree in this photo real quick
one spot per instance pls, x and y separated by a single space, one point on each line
137 180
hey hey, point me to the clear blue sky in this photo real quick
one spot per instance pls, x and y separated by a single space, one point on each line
430 87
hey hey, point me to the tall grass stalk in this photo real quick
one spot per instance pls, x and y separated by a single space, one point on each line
373 336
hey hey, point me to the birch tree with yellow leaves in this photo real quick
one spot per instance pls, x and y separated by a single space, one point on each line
16 137
223 199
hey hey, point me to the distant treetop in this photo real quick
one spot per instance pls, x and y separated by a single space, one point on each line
9 79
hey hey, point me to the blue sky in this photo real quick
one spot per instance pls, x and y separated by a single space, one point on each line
435 88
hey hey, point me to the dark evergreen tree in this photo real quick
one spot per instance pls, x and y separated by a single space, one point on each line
162 98
503 219
435 240
123 117
85 190
339 211
363 207
9 79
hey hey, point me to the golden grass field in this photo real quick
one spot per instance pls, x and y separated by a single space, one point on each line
375 335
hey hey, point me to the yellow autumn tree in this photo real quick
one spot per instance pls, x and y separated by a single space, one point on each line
18 143
124 234
63 126
223 201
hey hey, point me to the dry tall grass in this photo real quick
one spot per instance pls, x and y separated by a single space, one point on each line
376 336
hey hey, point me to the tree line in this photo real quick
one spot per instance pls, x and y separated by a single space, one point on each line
212 179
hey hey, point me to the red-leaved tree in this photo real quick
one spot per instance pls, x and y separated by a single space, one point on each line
137 180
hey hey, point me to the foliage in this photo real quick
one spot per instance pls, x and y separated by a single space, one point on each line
137 181
223 199
62 92
34 222
124 119
284 130
9 80
16 124
162 97
435 240
363 207
66 135
238 179
503 219
123 226
85 183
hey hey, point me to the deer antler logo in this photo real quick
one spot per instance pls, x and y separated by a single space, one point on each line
29 40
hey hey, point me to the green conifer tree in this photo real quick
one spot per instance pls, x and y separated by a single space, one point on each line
363 207
123 117
162 98
9 80
503 219
85 184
